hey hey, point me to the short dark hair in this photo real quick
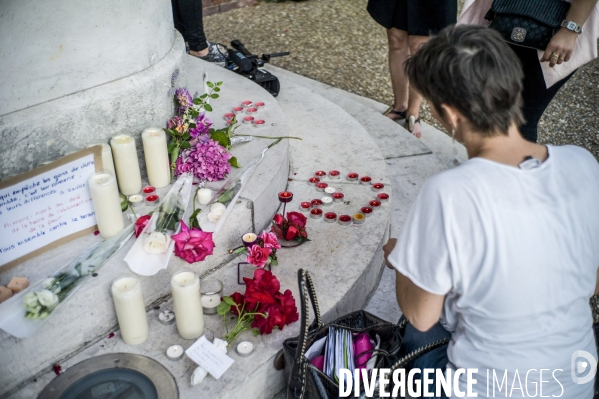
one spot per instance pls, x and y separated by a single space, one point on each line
472 69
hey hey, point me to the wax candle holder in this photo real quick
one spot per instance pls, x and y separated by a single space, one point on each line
152 199
329 191
136 200
376 187
245 348
237 110
326 201
239 278
316 203
166 317
321 186
320 173
260 105
334 174
248 120
305 206
251 111
365 180
249 239
285 197
313 181
344 220
383 197
352 176
259 123
330 217
338 197
366 210
316 213
375 204
229 116
359 218
175 352
211 290
148 190
246 104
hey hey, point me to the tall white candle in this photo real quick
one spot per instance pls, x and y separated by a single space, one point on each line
156 154
204 196
128 174
107 162
107 204
130 309
188 306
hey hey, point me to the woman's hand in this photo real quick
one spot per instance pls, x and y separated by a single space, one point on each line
560 48
387 249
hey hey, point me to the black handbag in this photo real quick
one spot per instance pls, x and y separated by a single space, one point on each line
527 23
304 381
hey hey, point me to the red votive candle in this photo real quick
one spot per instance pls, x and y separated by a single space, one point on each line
248 120
330 217
334 174
260 105
313 181
366 210
259 123
246 104
378 186
365 180
251 110
285 196
305 206
229 116
237 110
338 197
320 173
344 220
316 203
374 204
316 213
321 186
148 189
352 176
152 199
383 197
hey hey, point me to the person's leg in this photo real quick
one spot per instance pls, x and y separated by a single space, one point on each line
535 95
398 54
191 16
414 98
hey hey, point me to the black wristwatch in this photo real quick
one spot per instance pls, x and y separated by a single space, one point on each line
573 26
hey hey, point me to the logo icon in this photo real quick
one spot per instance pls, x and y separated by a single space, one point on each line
579 366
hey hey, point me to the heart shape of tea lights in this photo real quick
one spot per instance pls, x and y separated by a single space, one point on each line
334 174
260 105
316 203
152 199
326 201
359 218
229 116
329 191
344 220
352 176
375 204
383 197
330 217
249 239
246 104
365 180
320 173
259 123
338 197
313 181
305 206
237 110
251 111
316 213
285 196
376 187
366 210
321 186
248 120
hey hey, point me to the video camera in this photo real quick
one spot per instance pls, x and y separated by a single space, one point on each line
247 64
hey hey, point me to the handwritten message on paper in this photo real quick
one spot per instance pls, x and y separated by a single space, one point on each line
205 354
40 210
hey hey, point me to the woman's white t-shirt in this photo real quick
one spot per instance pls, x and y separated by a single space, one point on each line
516 253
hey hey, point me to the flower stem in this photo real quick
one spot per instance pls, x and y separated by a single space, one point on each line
174 156
269 137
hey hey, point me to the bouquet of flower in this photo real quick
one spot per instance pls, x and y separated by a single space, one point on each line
263 252
292 228
263 307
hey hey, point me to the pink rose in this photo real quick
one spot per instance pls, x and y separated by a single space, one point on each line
140 224
258 256
270 240
193 245
297 219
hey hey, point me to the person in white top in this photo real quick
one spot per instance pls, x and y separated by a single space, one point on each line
505 247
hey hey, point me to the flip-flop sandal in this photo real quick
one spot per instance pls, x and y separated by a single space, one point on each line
412 121
390 110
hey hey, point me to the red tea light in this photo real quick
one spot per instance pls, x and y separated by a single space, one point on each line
359 218
305 206
260 105
285 196
374 204
334 174
229 116
321 186
320 173
338 197
316 213
378 186
251 110
365 180
313 181
259 123
152 199
237 110
366 210
248 120
383 197
148 190
352 176
330 217
344 220
246 104
316 203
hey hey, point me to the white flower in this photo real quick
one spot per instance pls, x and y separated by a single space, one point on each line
156 243
51 284
214 216
47 298
30 300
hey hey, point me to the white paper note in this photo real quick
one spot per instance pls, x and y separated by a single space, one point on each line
205 354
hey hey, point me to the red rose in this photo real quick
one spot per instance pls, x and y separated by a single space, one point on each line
291 233
288 304
257 255
279 219
140 224
277 231
238 299
274 317
255 298
266 281
297 219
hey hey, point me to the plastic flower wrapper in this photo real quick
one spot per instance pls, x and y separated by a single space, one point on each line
154 246
24 313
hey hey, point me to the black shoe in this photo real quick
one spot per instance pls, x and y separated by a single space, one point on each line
215 55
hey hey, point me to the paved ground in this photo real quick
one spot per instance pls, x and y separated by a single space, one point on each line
336 42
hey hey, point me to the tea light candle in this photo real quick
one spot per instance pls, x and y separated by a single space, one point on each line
365 180
248 120
305 206
251 111
359 218
156 155
330 217
374 204
152 199
326 201
211 289
166 317
148 190
237 110
344 220
130 309
229 116
329 191
175 352
285 196
320 173
126 164
260 105
185 286
366 210
313 181
204 196
106 203
316 203
136 200
246 104
321 186
249 239
316 213
378 187
245 348
352 176
334 174
383 197
259 123
338 197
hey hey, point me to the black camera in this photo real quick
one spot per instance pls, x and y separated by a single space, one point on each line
249 65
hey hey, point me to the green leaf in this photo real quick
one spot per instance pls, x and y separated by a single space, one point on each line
221 138
212 130
204 96
194 113
275 262
193 221
186 136
217 89
208 107
185 145
255 332
240 250
170 147
214 96
229 300
219 83
210 84
302 240
223 308
197 101
233 162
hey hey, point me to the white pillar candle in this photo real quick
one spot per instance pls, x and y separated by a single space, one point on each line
107 203
126 164
107 162
130 309
156 154
204 196
187 303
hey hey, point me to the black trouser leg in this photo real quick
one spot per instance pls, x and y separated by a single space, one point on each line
187 15
536 95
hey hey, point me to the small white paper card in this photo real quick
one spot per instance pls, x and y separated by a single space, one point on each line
205 354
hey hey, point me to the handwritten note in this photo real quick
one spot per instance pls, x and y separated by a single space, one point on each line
39 210
205 354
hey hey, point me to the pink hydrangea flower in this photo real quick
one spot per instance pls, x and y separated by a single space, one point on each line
206 160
